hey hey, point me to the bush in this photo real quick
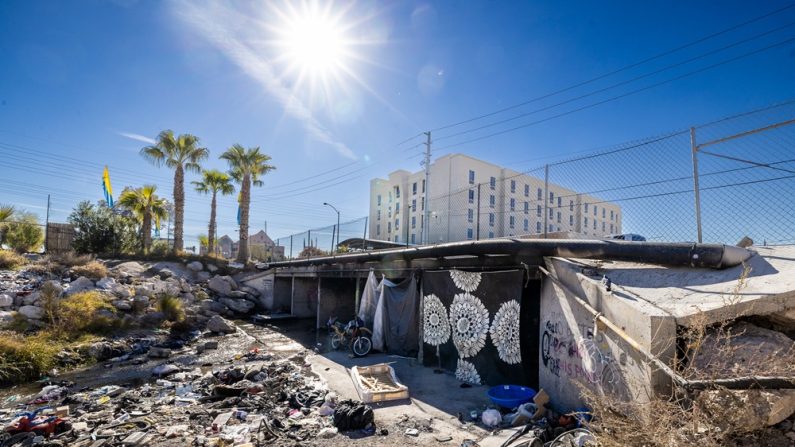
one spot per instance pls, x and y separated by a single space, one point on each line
84 312
171 306
94 270
26 358
24 234
102 230
10 260
71 259
159 249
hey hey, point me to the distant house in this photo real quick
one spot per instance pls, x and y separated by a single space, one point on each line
260 247
226 247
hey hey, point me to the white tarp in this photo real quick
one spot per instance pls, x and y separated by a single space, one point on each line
396 321
369 302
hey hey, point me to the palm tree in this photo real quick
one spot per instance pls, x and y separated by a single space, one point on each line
181 154
213 181
145 206
246 166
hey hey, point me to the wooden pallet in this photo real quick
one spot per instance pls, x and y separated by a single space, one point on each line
378 383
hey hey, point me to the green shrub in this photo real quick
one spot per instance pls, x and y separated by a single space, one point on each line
93 270
24 234
171 306
26 358
79 314
10 260
102 230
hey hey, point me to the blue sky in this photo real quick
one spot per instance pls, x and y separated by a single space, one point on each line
84 84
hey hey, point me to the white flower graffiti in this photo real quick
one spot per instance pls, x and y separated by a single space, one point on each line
469 321
466 372
466 281
436 326
505 332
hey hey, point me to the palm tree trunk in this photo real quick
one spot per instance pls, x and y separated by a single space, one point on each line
211 234
146 229
245 198
179 207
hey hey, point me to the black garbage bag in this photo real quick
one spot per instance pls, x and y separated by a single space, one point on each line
352 415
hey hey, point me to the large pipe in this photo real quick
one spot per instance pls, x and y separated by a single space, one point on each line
682 254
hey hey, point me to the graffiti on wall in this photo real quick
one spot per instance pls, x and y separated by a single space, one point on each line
579 356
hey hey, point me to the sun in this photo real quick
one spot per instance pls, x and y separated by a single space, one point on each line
313 41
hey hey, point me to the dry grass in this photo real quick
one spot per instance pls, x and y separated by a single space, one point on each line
93 270
26 358
11 260
717 417
79 314
171 306
71 259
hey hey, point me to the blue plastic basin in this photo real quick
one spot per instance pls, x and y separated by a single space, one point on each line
510 396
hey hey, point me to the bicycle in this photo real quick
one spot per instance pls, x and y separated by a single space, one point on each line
353 335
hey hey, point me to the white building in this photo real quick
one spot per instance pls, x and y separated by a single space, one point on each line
472 199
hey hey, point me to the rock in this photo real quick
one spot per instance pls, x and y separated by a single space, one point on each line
237 294
750 409
188 298
165 370
81 284
123 305
29 300
222 285
140 302
250 290
202 276
212 344
213 306
165 274
161 353
53 287
195 266
122 291
6 317
131 268
153 319
106 283
212 268
32 312
184 285
238 305
144 290
220 325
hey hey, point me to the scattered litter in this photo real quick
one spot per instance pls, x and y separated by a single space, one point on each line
412 432
378 383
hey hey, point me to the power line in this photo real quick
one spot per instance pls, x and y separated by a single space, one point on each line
619 70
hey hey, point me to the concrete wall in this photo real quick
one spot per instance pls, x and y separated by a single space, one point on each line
337 298
282 294
577 356
304 302
263 285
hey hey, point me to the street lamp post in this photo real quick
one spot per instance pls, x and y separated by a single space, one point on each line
338 227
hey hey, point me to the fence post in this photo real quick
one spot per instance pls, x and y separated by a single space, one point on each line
477 221
696 190
291 246
546 199
333 232
364 238
309 237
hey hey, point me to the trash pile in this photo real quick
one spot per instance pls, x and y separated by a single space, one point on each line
250 400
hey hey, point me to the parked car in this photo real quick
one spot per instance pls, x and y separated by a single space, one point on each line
627 237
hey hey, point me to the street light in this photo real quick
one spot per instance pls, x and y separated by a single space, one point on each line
338 226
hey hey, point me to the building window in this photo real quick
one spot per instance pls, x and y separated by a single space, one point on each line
469 233
378 215
527 190
492 182
538 210
396 238
378 199
471 177
397 224
551 197
513 203
586 207
526 225
413 238
397 192
611 228
611 214
470 215
538 227
397 207
571 205
603 212
551 213
560 203
389 227
511 221
413 205
526 207
390 196
422 205
585 222
594 210
471 196
414 188
513 185
413 222
603 226
559 216
492 200
594 224
389 213
423 186
571 220
491 219
491 235
378 229
551 228
540 194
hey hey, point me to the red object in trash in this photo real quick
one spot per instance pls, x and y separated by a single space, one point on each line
39 424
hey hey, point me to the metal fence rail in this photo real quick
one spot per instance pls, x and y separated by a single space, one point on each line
324 239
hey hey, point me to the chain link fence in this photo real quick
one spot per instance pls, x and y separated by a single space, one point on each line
325 240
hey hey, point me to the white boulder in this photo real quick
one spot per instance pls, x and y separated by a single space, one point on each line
222 285
195 266
220 325
32 312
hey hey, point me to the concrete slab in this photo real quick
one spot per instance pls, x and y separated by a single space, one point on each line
714 294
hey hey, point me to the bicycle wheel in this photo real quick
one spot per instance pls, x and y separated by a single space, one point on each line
361 346
336 341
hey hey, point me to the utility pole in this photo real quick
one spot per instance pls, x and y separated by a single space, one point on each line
426 215
47 226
